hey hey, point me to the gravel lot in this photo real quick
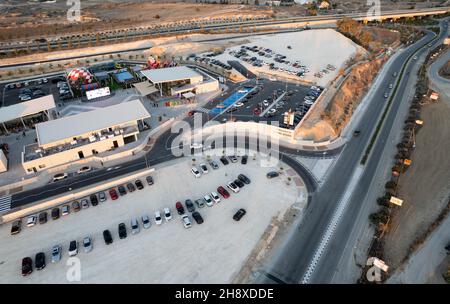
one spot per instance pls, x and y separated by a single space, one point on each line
213 252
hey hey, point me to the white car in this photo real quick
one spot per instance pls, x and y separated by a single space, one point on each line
31 220
204 168
208 200
215 197
233 187
167 214
87 244
186 221
195 171
60 176
238 104
158 218
309 102
146 222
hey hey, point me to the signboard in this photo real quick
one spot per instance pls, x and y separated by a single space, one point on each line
98 93
396 201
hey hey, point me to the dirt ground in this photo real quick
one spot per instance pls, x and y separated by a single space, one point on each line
425 187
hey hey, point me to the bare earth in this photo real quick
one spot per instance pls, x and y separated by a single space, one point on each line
425 187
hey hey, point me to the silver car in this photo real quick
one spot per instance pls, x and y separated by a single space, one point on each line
146 222
56 253
102 196
134 226
87 244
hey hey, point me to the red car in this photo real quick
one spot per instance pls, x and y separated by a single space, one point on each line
223 192
191 113
27 266
113 194
180 208
256 111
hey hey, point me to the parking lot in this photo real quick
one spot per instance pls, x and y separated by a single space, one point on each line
11 93
212 252
268 102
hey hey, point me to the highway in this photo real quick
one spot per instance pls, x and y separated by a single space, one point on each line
311 255
124 35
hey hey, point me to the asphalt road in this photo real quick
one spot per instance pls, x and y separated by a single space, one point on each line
295 258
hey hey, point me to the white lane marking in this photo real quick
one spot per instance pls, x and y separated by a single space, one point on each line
337 215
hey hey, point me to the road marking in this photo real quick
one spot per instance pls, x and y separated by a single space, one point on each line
5 203
337 215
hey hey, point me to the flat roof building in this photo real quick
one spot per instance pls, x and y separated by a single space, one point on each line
173 74
84 135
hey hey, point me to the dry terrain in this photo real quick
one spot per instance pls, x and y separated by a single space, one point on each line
425 187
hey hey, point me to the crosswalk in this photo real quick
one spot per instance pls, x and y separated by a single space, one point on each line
5 203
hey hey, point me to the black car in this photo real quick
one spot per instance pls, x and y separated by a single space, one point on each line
107 237
55 213
244 178
16 227
272 174
189 205
356 133
39 261
244 159
239 183
139 184
131 187
197 217
224 160
94 199
27 266
239 214
122 190
122 231
43 217
149 180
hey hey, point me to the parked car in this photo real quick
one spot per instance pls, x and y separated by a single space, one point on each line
239 214
239 183
94 200
65 210
223 192
244 178
200 202
146 223
158 218
189 205
180 208
233 158
43 217
122 229
215 197
186 221
55 213
134 226
31 220
233 187
107 237
214 165
16 226
167 214
197 217
101 196
149 180
131 187
27 266
113 194
244 159
204 168
87 244
122 190
195 171
73 248
76 206
60 176
139 184
56 253
84 169
224 160
272 174
208 200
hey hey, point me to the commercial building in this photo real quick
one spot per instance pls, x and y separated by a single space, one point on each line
178 80
84 135
26 113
